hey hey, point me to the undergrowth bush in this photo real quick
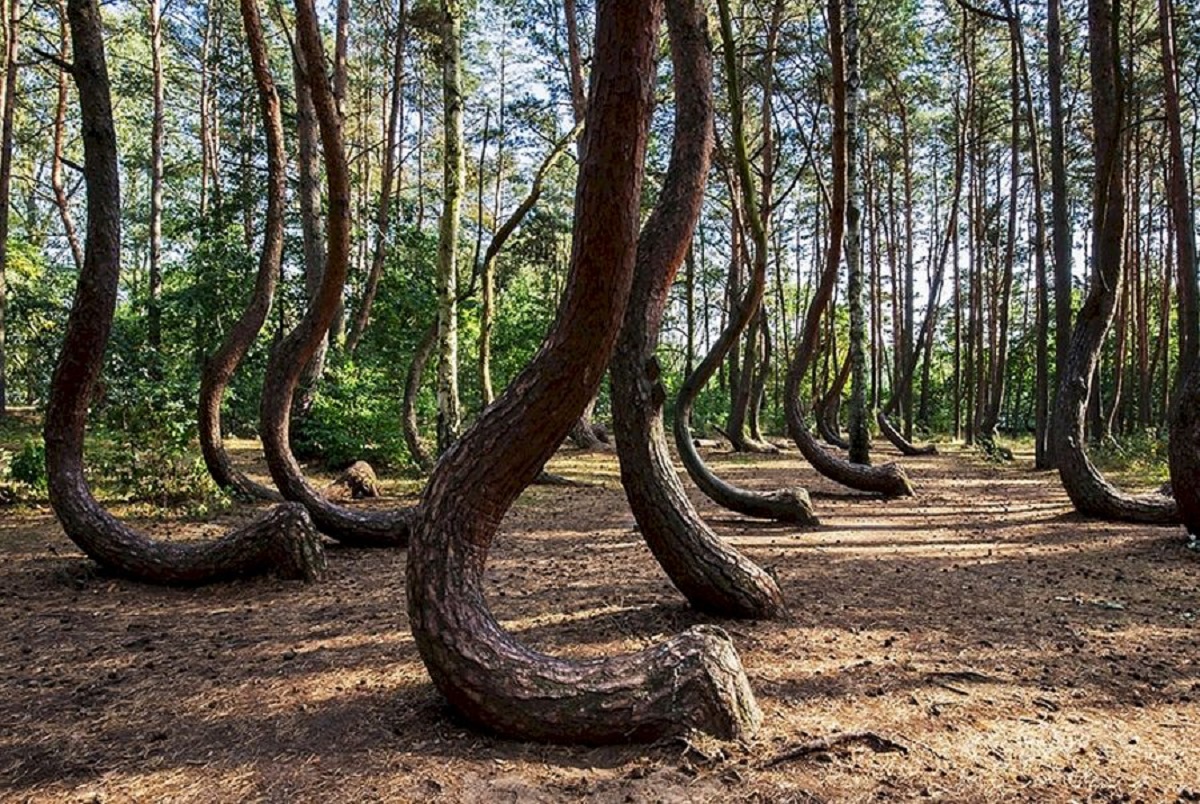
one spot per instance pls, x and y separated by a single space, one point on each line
355 416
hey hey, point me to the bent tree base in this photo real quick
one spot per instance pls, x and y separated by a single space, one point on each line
901 443
219 369
297 350
712 575
693 681
284 541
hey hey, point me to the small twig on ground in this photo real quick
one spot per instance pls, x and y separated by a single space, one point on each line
926 747
966 676
950 687
878 744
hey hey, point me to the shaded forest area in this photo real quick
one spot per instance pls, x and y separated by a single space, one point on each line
878 325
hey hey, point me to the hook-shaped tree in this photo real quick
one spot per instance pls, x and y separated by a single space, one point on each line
360 528
890 479
284 541
712 575
692 681
223 364
1090 492
784 505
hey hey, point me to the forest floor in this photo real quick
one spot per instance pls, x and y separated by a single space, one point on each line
1015 651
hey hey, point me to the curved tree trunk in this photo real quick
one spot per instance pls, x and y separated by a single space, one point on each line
1087 488
220 368
284 541
786 505
358 528
712 576
1185 424
692 681
898 440
825 411
888 479
412 387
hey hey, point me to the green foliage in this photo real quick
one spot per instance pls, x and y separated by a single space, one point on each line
146 450
38 301
355 416
1138 459
28 465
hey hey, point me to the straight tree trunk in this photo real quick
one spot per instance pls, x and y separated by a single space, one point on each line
858 424
692 681
453 178
1185 424
1041 270
7 109
1060 219
157 142
284 541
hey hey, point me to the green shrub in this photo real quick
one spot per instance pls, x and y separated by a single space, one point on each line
28 466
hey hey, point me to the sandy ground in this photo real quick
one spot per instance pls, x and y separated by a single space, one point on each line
1013 650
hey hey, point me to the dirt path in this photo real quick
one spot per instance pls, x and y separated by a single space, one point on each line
1016 651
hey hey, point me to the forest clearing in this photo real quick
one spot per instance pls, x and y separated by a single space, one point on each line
660 400
1013 649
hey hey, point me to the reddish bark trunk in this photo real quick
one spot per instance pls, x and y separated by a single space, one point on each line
887 479
786 505
360 528
220 368
284 541
692 681
1087 488
712 575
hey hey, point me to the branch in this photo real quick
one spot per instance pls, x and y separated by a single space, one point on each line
55 59
983 12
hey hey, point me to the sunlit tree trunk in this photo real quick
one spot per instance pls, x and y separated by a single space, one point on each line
7 108
692 681
453 178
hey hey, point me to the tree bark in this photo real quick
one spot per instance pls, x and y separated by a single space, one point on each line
858 424
284 541
157 141
388 178
711 575
1060 220
786 505
1184 454
358 528
453 178
60 132
1180 198
7 109
218 371
1091 494
1185 424
412 387
312 230
692 681
888 479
